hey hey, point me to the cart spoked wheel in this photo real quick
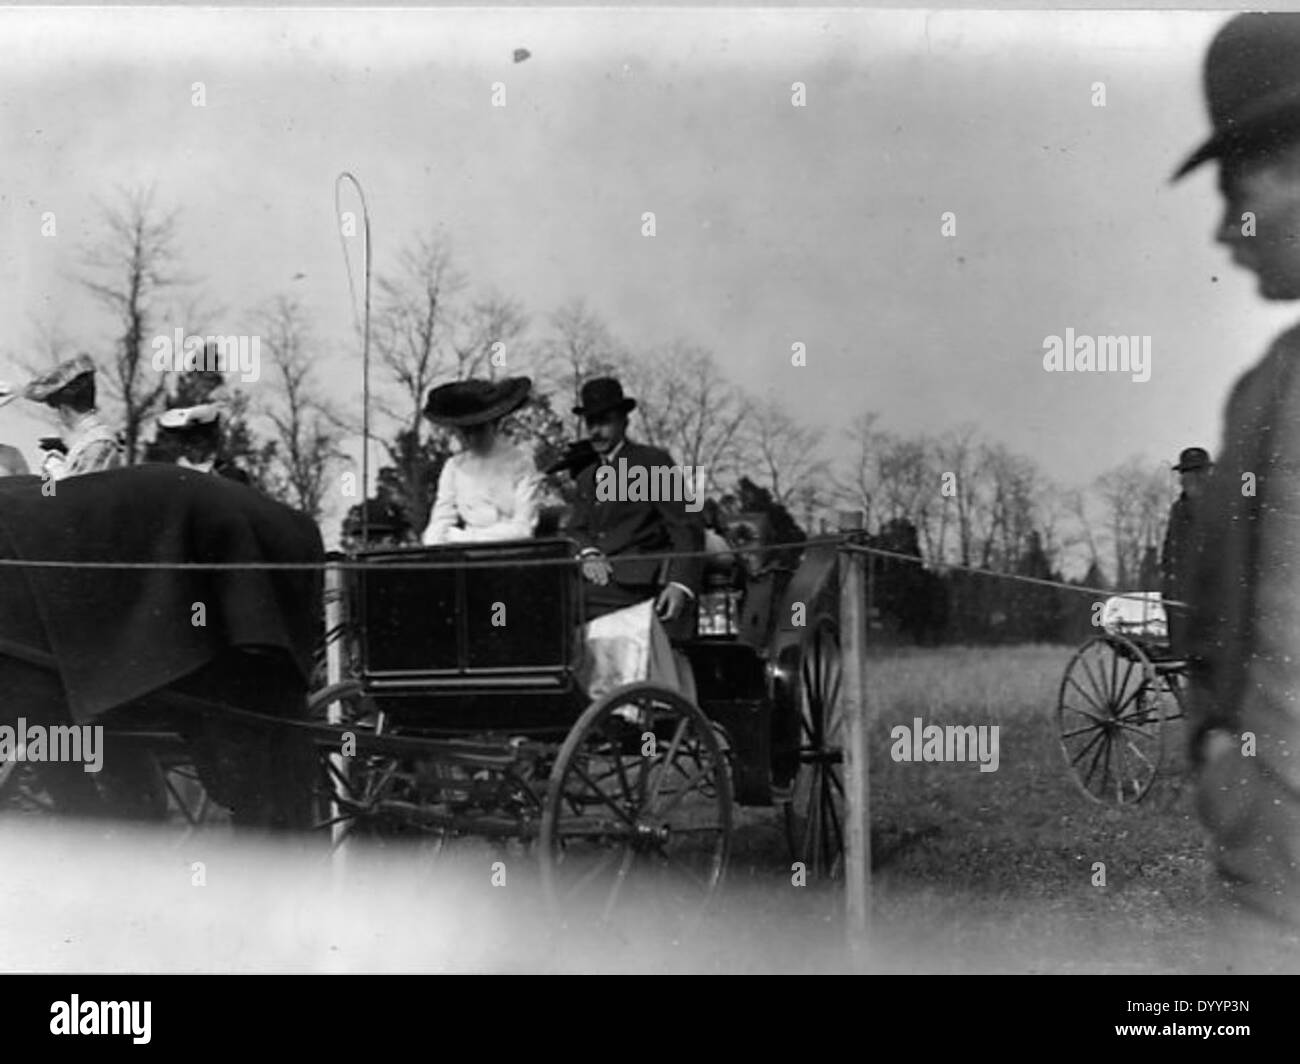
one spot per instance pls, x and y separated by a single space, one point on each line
190 807
162 789
637 817
1111 714
21 790
814 816
348 788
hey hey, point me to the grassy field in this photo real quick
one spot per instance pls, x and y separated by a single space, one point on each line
973 872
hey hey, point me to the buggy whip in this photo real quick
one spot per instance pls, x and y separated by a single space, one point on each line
365 337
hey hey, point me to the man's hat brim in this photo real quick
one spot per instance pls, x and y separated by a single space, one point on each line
1273 131
1269 121
623 406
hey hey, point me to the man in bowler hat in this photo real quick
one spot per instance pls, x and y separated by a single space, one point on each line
1245 627
615 535
1178 553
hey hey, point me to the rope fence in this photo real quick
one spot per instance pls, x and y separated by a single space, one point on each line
843 541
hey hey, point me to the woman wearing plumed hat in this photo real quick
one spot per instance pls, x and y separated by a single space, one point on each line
490 490
88 445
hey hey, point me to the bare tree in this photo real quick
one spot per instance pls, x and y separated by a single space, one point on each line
487 337
788 453
1136 500
957 453
307 431
1011 489
129 272
413 338
411 326
690 409
580 346
857 481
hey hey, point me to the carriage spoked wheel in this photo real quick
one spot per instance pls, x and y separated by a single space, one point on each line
814 815
21 789
1111 714
638 811
163 790
347 788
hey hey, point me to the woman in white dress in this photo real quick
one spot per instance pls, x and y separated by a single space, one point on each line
490 490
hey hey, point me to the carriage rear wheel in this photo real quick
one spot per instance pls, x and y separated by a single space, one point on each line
1111 713
814 816
638 810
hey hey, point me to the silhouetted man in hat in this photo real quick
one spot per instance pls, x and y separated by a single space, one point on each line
1178 554
1245 628
616 533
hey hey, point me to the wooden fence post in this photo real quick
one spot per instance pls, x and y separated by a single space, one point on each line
853 695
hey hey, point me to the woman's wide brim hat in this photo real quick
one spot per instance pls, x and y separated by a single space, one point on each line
46 388
476 401
1252 88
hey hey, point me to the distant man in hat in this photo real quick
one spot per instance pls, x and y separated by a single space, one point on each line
380 524
491 489
1178 554
195 434
1245 628
615 534
90 445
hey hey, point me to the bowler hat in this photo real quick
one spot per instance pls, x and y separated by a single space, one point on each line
45 388
1252 87
476 401
1193 458
601 395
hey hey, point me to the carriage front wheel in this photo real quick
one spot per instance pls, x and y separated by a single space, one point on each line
1111 713
638 810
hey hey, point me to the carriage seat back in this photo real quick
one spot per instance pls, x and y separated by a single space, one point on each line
1136 615
491 617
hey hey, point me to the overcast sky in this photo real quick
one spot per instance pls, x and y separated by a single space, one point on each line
775 224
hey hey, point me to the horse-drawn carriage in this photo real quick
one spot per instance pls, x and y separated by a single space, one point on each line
1120 701
456 705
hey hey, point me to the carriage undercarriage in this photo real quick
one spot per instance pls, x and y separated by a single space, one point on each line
629 800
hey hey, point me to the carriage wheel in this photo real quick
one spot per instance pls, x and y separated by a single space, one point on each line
346 786
21 789
146 796
1111 714
814 816
638 809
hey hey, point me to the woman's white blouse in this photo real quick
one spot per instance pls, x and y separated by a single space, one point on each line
495 496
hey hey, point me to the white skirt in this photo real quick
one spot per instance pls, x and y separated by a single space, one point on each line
631 646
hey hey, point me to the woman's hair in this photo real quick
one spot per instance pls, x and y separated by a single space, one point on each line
78 394
200 442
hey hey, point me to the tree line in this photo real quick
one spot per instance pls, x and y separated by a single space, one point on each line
958 498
